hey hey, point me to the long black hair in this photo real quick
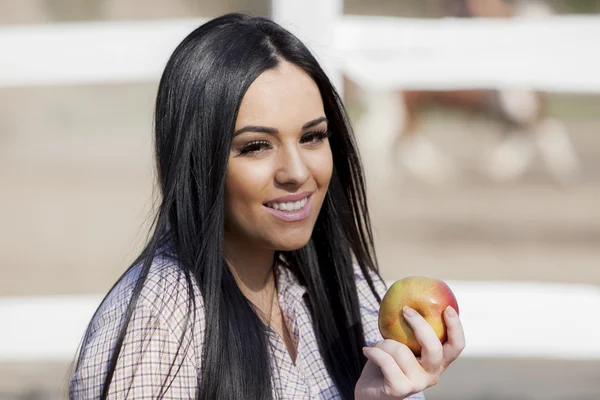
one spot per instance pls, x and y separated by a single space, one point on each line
198 99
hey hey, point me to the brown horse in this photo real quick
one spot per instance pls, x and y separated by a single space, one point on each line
523 113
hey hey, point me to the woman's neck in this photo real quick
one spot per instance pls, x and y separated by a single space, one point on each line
253 270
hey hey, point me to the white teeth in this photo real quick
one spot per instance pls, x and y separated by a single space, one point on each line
290 206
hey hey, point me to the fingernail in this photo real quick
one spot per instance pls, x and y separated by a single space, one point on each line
409 312
451 312
366 350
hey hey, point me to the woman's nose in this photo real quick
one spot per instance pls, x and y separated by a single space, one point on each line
293 169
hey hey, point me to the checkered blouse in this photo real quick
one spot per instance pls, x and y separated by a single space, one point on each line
147 354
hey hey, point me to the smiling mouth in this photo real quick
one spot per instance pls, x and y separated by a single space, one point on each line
290 206
290 211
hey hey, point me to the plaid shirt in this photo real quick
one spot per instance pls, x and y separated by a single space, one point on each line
147 354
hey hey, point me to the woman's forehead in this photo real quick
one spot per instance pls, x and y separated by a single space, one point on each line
282 98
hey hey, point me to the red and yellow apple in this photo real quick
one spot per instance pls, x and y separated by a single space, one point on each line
429 297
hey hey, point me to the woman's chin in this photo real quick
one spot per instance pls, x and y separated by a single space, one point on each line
290 246
291 243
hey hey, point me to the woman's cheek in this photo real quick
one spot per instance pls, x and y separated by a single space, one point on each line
322 166
246 180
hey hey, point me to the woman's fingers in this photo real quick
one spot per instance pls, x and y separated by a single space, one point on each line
456 336
407 362
401 371
395 380
432 353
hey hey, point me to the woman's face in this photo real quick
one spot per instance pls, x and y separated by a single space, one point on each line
280 163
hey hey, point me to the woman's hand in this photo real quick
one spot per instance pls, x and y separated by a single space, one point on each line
393 372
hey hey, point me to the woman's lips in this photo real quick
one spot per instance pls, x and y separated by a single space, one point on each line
291 197
292 216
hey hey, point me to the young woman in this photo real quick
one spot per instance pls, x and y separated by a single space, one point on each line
259 280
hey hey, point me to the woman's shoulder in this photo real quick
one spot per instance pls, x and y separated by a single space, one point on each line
160 324
165 296
171 294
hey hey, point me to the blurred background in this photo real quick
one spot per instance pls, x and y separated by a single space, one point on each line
474 176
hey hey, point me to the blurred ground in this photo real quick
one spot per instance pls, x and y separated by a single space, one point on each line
530 229
468 379
75 173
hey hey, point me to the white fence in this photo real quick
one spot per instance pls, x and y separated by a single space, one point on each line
501 319
551 54
91 52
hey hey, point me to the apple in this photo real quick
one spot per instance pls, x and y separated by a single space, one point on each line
429 297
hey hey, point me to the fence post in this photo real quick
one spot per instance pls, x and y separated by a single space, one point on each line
313 22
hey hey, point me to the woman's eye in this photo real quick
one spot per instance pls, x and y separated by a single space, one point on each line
315 137
253 148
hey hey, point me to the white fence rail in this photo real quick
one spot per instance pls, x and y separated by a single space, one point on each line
501 319
552 54
91 52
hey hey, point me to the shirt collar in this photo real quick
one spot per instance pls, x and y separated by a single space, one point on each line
289 288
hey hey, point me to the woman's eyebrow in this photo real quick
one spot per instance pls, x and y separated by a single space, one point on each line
314 122
256 128
272 131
